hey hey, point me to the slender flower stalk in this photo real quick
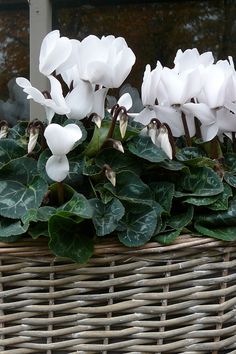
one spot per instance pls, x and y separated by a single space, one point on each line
186 130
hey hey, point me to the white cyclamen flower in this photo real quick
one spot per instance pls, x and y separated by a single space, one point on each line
106 61
190 59
61 141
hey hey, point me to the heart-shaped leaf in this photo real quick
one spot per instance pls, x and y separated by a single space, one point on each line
10 150
66 240
106 216
131 188
20 187
202 181
142 146
10 230
137 228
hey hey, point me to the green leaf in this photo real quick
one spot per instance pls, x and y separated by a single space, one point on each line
200 201
131 188
222 202
79 206
106 216
117 160
143 147
10 150
41 214
137 228
180 220
89 168
38 229
189 153
230 179
10 230
202 181
224 233
168 237
44 156
219 224
105 195
75 175
194 156
20 187
18 133
99 136
173 165
163 192
67 241
230 161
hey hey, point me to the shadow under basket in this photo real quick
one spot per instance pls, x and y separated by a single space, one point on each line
153 299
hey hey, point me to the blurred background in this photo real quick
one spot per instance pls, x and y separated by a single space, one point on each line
153 29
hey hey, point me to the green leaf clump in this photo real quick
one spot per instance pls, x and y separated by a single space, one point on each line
124 188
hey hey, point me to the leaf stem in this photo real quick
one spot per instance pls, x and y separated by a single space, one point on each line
114 119
60 193
186 130
198 129
214 148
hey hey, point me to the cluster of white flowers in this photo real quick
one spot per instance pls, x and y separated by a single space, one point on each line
196 87
88 68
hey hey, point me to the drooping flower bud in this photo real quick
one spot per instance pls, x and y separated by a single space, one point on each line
118 146
123 123
3 129
97 120
163 141
152 129
110 174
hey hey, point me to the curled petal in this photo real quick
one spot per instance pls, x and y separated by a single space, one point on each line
208 132
54 52
57 167
61 140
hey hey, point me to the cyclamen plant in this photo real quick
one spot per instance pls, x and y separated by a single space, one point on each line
88 172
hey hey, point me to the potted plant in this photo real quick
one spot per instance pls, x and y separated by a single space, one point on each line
124 187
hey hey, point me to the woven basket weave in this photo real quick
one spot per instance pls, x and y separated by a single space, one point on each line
174 299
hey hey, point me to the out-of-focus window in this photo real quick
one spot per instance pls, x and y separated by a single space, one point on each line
153 29
14 42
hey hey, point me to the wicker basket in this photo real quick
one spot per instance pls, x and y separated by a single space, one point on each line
174 299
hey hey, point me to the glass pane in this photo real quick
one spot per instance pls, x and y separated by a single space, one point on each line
153 29
14 54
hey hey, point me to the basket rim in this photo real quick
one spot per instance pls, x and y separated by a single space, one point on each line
112 246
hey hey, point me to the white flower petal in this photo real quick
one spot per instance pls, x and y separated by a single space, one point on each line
201 111
23 82
226 120
126 101
54 52
208 132
145 116
172 117
80 100
99 102
61 140
106 62
57 167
